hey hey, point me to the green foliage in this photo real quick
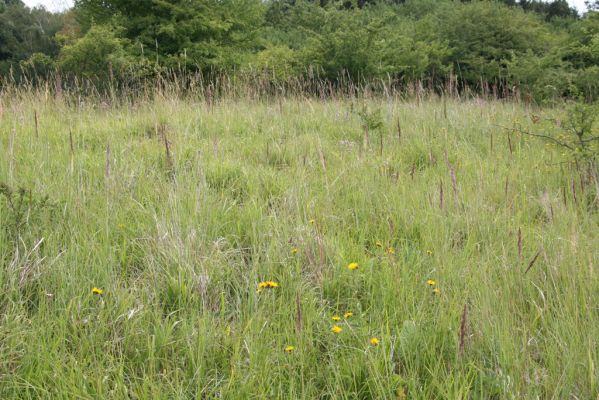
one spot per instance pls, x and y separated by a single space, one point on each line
485 37
581 132
279 62
371 119
99 55
25 215
25 31
576 135
38 65
198 33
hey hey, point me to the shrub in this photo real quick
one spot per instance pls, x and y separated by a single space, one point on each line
96 55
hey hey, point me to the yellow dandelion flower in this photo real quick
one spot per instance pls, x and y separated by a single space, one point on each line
336 318
348 314
289 349
431 282
379 244
390 250
336 329
294 250
374 341
436 291
353 266
267 285
312 221
97 291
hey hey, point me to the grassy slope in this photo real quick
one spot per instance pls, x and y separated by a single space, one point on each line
179 253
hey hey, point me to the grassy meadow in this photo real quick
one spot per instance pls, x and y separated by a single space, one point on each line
476 252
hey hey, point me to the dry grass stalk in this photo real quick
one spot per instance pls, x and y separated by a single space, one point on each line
170 165
441 194
209 97
107 167
71 144
299 323
463 329
532 262
547 205
323 161
520 243
366 140
36 124
398 130
11 153
454 182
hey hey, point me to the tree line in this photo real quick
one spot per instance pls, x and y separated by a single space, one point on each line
545 49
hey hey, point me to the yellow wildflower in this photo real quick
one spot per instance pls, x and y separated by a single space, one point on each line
390 250
379 244
97 291
429 252
431 282
348 314
436 291
289 349
336 329
312 221
353 266
374 341
294 250
267 285
336 318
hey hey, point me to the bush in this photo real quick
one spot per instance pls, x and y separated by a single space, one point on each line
279 61
97 55
38 66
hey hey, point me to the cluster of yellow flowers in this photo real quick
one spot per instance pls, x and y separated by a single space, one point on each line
346 315
337 329
267 285
436 290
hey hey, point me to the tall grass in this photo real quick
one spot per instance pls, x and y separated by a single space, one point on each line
178 208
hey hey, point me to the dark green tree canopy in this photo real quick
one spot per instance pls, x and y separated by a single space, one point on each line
25 31
197 32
